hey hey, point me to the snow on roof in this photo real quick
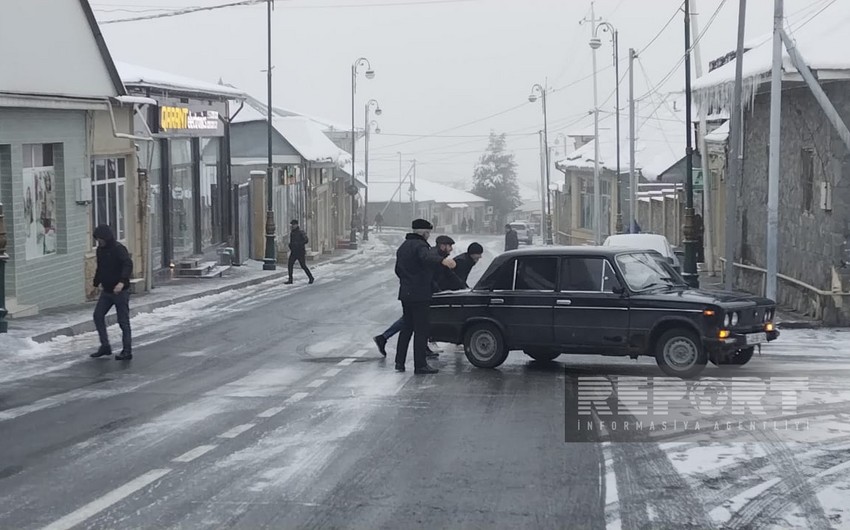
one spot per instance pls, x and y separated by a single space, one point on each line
659 145
426 191
255 109
822 42
719 135
308 139
134 75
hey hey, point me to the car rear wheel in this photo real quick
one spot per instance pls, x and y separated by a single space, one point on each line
484 345
737 358
542 355
679 353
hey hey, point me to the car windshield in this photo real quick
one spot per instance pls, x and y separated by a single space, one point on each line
643 271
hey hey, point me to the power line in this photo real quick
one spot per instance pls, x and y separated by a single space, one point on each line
657 35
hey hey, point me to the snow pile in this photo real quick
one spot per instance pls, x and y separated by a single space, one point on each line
132 74
307 138
820 38
426 191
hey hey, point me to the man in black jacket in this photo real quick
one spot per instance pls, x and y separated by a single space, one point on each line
114 268
466 261
416 266
298 250
511 238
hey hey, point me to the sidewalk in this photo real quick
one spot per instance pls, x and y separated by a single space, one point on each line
77 319
786 318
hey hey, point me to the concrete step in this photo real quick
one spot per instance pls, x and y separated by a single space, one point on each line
20 311
198 271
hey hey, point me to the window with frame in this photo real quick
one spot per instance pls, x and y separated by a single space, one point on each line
586 203
108 185
807 177
588 275
536 274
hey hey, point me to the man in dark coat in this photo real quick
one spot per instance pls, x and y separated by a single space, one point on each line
416 266
511 238
298 250
114 268
466 261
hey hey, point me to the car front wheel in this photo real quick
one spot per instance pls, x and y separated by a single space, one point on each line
542 355
484 345
679 353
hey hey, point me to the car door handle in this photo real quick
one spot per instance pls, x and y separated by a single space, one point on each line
564 302
497 300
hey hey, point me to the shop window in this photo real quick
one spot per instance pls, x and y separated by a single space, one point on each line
108 184
39 188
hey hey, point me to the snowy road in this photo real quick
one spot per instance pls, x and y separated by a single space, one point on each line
269 408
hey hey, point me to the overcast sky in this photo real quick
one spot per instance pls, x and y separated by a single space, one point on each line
439 63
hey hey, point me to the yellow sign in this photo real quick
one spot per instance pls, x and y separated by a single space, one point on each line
171 118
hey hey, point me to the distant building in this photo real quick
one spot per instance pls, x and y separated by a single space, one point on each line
399 204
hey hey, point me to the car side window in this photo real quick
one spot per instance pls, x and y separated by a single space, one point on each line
583 274
536 274
503 278
609 278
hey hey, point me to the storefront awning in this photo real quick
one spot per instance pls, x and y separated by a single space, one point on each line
458 205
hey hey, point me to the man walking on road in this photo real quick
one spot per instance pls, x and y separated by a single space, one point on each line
415 267
114 268
511 238
379 222
298 250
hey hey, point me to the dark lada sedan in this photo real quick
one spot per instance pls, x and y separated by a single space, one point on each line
599 300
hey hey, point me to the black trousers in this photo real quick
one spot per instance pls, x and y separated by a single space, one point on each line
121 301
417 325
300 259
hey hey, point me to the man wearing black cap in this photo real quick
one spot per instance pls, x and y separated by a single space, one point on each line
416 265
466 261
298 250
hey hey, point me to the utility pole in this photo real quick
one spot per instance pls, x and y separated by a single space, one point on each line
735 163
619 225
365 175
773 166
413 190
597 198
270 259
690 272
633 213
707 213
543 222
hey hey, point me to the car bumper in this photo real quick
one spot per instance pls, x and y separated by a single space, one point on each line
739 341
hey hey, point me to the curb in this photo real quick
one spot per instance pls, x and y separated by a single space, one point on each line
87 326
799 324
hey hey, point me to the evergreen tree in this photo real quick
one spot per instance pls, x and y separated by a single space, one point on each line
495 178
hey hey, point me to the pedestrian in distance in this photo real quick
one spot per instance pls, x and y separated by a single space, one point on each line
444 249
298 250
463 225
379 221
511 238
416 265
114 269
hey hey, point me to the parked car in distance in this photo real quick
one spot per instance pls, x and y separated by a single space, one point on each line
655 242
524 232
599 300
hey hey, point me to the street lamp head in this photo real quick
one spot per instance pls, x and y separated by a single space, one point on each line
378 111
532 97
377 130
595 43
370 74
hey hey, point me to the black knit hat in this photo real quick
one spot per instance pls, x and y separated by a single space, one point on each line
293 222
445 240
475 248
422 224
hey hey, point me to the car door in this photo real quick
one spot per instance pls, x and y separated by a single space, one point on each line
589 316
525 306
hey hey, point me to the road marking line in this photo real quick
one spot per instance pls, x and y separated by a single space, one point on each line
297 397
274 411
360 353
236 431
93 508
332 372
317 383
199 451
346 362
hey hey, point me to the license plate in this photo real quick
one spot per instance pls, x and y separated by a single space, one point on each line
756 338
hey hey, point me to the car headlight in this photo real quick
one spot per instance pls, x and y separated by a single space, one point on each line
735 319
726 320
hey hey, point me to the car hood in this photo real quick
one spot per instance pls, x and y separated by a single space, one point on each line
703 296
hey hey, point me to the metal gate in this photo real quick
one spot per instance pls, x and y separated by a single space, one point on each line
242 220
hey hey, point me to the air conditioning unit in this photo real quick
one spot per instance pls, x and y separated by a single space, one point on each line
83 191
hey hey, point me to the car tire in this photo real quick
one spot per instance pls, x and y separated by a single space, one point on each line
679 353
738 358
542 355
484 345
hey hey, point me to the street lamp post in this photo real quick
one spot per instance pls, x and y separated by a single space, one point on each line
690 266
352 190
270 259
4 326
367 130
537 91
595 44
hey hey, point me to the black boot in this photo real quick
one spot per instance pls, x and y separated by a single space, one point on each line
399 367
288 282
381 342
426 370
101 352
125 355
